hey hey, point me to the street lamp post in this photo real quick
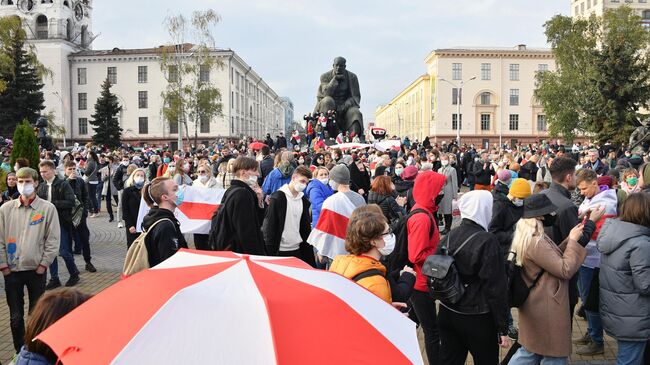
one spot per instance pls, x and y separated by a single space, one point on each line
458 101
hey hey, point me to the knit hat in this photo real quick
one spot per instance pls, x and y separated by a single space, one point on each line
409 173
605 180
340 174
503 175
520 189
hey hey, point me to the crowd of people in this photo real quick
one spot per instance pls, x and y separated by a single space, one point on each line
574 222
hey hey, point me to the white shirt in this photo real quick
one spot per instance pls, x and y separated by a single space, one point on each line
291 238
49 189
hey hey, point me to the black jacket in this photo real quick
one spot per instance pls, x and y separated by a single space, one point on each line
567 216
483 172
392 211
62 198
405 188
266 166
482 270
81 192
505 216
131 198
529 171
237 224
274 220
165 238
119 177
359 179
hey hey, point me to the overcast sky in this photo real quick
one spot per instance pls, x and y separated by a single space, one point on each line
290 42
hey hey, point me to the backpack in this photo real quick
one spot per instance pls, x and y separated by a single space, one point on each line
367 274
443 278
137 257
518 290
399 258
220 238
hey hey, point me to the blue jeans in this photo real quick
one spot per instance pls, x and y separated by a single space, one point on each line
65 251
594 323
630 352
524 357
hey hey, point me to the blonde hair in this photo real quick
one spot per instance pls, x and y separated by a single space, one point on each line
527 232
129 181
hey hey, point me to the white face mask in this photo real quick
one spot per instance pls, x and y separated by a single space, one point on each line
334 185
518 202
325 181
125 163
444 162
26 190
389 245
204 178
138 180
299 187
252 180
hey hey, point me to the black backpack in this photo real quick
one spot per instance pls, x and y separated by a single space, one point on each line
443 278
220 238
518 290
399 258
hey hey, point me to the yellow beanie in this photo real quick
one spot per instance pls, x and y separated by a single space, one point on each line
520 188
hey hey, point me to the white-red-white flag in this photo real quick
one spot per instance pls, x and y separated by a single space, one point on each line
328 236
195 213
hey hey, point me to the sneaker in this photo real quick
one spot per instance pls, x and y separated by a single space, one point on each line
74 279
120 225
53 284
90 267
591 349
584 340
513 332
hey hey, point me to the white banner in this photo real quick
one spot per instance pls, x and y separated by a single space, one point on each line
195 213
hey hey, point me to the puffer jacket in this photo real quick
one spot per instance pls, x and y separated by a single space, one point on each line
317 193
352 265
26 357
625 280
392 211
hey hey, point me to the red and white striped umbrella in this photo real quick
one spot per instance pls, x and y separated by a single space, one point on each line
223 308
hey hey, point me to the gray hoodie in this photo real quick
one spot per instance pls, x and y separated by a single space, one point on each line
625 280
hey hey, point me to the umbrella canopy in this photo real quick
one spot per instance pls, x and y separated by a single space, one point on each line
202 307
351 145
256 145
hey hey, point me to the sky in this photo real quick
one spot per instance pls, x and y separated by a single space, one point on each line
290 43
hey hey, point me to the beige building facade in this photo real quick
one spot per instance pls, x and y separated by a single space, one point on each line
585 8
497 104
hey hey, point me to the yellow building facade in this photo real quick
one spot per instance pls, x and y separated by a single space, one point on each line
409 113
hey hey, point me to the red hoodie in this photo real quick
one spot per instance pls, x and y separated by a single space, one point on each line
427 187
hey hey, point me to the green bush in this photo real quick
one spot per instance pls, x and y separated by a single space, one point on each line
25 145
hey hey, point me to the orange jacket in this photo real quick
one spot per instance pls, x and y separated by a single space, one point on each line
351 266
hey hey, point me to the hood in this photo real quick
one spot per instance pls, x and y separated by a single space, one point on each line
477 207
606 198
614 232
289 194
26 357
351 265
427 187
286 169
155 214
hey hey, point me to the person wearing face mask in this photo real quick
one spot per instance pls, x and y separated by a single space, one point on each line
182 175
368 238
629 185
119 178
163 196
450 191
204 180
81 233
317 191
544 318
29 242
236 225
166 160
131 198
280 175
287 221
483 171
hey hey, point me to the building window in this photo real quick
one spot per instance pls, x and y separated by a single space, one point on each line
541 123
232 99
112 75
486 71
457 71
542 67
83 125
81 76
454 121
204 73
143 74
485 122
514 122
455 96
143 100
143 125
173 74
514 72
485 98
514 97
41 27
83 101
205 124
173 127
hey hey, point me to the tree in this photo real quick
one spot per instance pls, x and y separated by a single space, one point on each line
189 94
602 77
25 145
107 129
21 76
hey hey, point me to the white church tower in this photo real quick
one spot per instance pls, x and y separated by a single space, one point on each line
56 28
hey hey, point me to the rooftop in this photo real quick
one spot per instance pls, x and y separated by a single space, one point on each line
184 48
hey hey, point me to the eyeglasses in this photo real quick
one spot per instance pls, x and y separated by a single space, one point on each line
387 233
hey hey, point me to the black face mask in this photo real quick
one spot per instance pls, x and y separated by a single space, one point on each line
549 220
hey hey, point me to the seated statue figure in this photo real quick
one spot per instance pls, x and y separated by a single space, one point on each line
339 91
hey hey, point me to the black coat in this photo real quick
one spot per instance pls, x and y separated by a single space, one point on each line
505 216
237 224
567 216
81 192
131 198
483 172
482 270
266 166
392 211
529 171
273 225
359 179
119 177
165 239
62 197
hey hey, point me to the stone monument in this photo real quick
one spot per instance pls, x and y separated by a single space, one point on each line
641 137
